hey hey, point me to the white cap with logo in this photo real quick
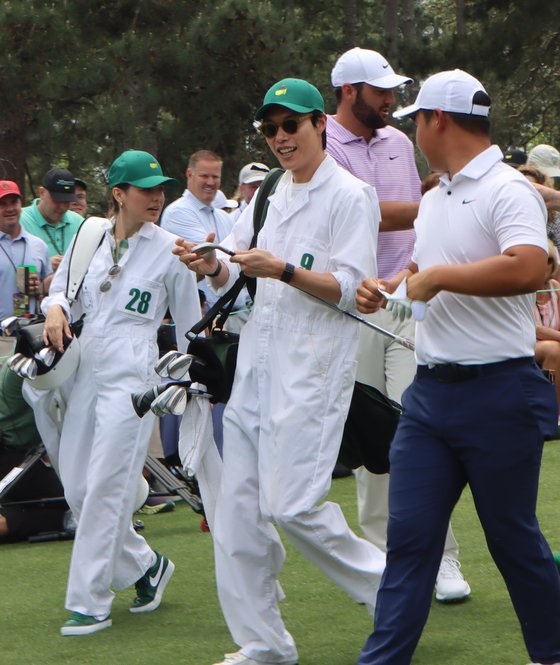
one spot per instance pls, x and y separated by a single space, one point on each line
546 158
451 91
253 172
360 65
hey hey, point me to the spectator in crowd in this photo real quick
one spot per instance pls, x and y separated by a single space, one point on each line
547 319
293 382
361 141
515 157
80 204
18 248
193 216
49 217
131 281
221 202
479 255
546 158
18 436
250 179
544 183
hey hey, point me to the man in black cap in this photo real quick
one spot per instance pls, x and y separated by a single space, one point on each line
515 157
49 216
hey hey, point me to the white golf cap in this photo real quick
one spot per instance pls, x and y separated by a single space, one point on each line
221 201
546 158
360 65
451 91
253 172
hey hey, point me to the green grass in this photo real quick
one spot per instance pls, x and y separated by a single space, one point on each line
329 627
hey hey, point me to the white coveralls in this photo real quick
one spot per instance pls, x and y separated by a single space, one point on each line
283 423
103 443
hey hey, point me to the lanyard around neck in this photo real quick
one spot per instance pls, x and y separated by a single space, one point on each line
53 241
10 259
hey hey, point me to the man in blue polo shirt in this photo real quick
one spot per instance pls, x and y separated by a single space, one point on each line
49 217
18 248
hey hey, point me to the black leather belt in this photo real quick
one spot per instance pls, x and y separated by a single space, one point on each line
453 372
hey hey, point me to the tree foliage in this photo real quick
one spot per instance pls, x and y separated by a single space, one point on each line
82 80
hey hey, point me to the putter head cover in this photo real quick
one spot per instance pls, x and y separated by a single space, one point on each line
51 370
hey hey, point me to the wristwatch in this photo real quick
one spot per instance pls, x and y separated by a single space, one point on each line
217 271
288 273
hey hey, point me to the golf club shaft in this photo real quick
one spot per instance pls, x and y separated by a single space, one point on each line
403 341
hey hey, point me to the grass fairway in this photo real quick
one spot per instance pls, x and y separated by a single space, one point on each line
188 629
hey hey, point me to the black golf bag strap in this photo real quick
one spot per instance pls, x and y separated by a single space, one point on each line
266 189
224 305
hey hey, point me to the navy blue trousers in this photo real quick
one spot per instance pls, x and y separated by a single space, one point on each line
486 431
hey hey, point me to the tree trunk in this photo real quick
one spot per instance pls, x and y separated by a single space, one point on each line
350 23
391 28
460 18
407 20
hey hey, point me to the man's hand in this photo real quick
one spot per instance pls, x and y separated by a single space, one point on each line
368 298
259 263
34 285
551 196
55 261
201 264
421 285
56 328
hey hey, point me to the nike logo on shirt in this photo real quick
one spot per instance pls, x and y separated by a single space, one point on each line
155 580
395 157
467 201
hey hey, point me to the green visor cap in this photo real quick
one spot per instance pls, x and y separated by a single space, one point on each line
294 94
138 168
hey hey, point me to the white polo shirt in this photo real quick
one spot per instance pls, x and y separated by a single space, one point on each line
486 209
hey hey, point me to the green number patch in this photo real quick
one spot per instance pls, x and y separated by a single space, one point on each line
140 301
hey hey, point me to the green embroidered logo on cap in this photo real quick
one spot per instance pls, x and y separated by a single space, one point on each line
307 261
154 165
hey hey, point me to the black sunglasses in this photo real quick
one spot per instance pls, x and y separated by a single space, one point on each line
289 125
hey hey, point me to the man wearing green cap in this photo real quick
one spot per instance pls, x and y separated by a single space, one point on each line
294 378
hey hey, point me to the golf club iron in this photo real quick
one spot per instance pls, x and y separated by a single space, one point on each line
9 325
162 365
29 369
142 401
46 356
205 247
172 401
179 367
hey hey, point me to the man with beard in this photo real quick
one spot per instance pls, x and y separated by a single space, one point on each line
360 140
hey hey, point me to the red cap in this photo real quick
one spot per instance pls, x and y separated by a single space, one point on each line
8 187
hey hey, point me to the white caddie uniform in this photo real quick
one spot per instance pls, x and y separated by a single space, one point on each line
283 423
103 443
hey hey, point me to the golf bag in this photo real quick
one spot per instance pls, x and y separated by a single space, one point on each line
217 352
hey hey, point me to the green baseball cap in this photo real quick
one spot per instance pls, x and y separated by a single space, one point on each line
138 168
294 94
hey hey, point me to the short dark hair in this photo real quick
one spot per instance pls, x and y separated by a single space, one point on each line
314 119
475 124
338 91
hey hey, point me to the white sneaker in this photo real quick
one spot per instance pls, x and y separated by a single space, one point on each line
238 658
451 586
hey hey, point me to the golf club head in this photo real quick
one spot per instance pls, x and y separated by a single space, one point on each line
172 401
46 356
16 362
163 362
179 366
9 324
142 401
205 247
29 369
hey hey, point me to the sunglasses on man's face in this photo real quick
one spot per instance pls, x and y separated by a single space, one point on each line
289 125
